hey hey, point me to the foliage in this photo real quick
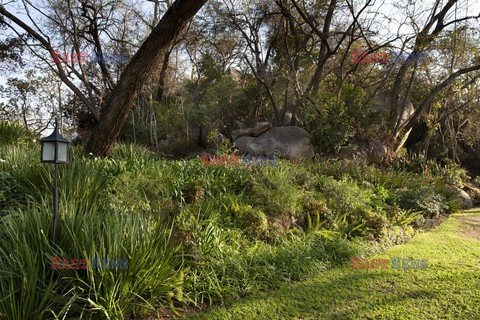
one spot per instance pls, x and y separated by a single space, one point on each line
86 232
426 199
346 293
251 221
449 171
14 133
193 234
275 192
235 270
132 152
333 123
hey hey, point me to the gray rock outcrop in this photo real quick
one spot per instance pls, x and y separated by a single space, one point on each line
382 104
473 192
287 142
467 202
259 128
377 152
374 151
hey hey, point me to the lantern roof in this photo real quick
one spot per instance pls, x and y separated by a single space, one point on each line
55 136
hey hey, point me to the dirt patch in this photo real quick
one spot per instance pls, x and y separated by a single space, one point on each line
475 234
432 223
470 220
474 224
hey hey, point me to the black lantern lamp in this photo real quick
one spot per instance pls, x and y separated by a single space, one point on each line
55 147
55 150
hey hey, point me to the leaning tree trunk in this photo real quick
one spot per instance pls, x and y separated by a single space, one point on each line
137 72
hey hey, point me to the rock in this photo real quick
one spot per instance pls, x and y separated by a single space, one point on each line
382 104
377 152
348 152
467 202
257 130
166 142
372 152
473 192
286 142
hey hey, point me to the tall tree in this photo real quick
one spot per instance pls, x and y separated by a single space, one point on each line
120 97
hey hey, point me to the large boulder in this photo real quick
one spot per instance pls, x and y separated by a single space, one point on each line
257 130
467 202
473 192
372 151
382 104
377 152
286 142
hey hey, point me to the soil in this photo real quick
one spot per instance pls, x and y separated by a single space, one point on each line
474 224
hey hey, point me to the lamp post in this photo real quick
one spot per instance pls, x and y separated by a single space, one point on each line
55 150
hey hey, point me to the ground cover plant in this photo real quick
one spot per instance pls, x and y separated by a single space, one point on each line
447 289
193 235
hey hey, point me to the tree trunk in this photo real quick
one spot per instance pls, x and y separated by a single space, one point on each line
433 93
137 72
163 76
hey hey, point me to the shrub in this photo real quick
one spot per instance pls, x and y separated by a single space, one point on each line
194 190
14 133
424 198
274 190
332 122
233 271
82 183
252 221
315 212
450 172
192 234
345 196
453 174
130 151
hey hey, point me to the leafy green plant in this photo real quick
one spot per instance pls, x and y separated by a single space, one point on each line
112 293
253 222
130 151
275 192
425 199
14 133
193 234
453 174
345 197
450 172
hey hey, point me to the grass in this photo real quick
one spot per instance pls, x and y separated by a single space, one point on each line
448 289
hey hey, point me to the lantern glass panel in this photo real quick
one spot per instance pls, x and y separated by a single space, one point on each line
62 152
48 151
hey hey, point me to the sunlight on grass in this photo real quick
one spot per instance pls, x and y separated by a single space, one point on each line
448 289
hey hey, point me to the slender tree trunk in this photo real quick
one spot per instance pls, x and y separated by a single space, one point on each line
163 75
137 72
133 124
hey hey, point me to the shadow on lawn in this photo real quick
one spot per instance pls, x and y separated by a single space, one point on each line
347 294
446 290
342 297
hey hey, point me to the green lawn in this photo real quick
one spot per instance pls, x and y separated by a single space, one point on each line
448 289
